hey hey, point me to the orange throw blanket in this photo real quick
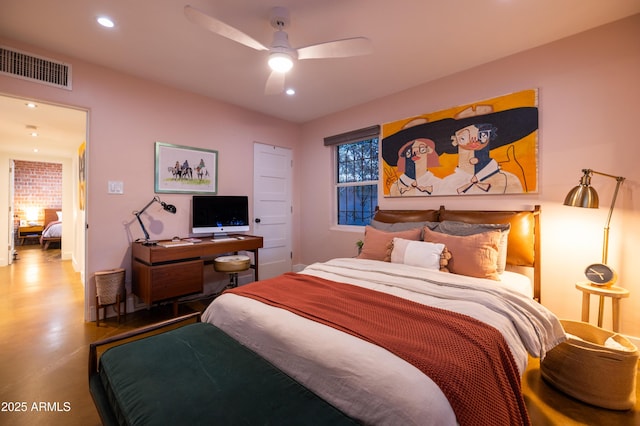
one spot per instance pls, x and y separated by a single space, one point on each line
469 360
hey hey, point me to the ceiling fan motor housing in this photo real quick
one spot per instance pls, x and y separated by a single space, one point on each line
280 18
281 44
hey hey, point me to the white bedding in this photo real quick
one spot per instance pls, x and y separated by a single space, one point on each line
363 380
518 282
53 230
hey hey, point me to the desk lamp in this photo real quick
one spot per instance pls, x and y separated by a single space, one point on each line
584 195
167 207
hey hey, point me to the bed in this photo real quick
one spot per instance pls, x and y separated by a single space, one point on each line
433 322
52 232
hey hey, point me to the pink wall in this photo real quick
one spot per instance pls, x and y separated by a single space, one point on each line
127 116
589 88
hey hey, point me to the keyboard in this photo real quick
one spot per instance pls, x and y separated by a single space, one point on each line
175 243
221 240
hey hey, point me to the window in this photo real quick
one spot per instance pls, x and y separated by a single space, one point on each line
356 168
357 181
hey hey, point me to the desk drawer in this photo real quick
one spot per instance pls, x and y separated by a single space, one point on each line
154 283
176 279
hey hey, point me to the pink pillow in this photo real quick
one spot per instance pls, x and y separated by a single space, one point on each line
376 242
473 255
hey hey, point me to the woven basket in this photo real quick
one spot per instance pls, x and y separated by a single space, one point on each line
590 371
108 285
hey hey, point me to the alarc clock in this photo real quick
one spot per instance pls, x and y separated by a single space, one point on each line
600 274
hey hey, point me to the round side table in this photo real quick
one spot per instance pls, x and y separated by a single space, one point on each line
615 293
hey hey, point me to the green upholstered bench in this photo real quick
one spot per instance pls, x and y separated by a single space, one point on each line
197 374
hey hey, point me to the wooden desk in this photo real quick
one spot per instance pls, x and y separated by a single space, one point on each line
164 273
615 293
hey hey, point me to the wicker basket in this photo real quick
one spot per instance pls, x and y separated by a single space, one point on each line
586 369
108 285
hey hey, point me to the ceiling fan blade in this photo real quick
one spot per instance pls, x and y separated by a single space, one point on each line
214 25
356 46
275 83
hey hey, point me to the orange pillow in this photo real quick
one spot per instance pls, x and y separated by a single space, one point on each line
472 255
376 242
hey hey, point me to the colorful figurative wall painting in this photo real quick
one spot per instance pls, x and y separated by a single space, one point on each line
487 147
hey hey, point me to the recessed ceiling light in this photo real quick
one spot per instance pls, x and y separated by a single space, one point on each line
34 134
290 92
35 149
31 105
105 22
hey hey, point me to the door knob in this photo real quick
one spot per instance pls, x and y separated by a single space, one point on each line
257 220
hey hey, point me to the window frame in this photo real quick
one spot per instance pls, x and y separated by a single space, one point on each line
361 136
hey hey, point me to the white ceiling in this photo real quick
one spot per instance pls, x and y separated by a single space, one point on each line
60 130
415 41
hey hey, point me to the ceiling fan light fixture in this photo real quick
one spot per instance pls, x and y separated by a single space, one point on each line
280 62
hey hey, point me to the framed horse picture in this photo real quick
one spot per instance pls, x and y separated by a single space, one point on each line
183 169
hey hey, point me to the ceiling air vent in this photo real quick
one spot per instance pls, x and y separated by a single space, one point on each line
34 68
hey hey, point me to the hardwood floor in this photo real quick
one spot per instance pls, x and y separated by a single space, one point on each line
44 350
44 340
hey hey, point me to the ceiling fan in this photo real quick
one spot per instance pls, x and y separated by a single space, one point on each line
281 54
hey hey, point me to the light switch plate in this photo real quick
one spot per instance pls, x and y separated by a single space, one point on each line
116 187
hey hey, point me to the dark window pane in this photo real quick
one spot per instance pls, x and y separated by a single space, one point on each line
356 204
358 161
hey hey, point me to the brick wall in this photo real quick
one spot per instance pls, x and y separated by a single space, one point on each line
37 185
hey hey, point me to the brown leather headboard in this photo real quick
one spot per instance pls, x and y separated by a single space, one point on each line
394 216
523 246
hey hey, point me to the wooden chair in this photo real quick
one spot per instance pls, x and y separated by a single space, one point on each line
110 290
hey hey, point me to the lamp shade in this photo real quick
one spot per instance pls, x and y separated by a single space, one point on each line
582 196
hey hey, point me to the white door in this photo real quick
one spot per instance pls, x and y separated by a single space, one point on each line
12 237
272 209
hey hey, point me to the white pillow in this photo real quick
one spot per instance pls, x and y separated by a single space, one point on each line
59 216
417 253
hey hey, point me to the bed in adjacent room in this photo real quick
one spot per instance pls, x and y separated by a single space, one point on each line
430 323
52 232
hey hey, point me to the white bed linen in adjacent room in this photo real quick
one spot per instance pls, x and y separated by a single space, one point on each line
363 380
53 230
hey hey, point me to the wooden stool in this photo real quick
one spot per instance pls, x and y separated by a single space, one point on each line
615 293
232 265
110 290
